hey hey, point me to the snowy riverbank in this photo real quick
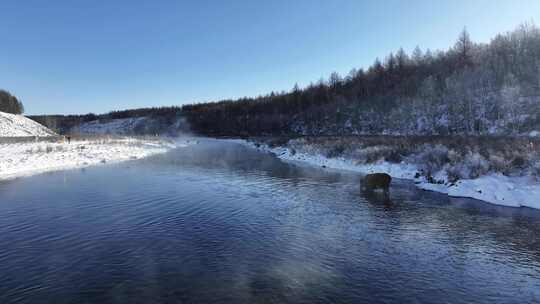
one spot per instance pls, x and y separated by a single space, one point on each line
493 188
22 159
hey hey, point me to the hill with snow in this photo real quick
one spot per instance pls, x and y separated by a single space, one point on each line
112 126
132 126
12 125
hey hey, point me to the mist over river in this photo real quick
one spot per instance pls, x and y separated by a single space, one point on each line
217 222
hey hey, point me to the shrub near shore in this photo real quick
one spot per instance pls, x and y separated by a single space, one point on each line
457 157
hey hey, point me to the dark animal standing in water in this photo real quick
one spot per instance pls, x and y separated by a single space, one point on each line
377 181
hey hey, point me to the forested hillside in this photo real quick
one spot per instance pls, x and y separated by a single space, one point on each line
157 120
471 88
10 104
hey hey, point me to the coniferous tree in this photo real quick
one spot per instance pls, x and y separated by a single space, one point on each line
10 103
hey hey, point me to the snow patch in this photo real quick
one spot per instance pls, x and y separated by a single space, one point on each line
494 188
534 134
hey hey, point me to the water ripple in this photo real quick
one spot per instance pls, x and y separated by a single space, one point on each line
219 223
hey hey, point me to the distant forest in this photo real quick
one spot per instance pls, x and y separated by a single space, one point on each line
10 103
64 123
472 88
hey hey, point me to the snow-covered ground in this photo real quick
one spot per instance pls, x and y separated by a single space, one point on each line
19 126
21 159
493 188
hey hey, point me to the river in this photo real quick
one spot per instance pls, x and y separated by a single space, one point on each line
218 222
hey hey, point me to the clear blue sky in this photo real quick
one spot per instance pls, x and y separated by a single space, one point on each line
70 56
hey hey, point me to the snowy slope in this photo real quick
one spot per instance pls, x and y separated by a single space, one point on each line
19 126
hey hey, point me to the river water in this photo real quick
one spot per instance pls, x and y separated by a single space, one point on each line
217 222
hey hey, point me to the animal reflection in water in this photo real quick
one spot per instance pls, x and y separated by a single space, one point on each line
376 187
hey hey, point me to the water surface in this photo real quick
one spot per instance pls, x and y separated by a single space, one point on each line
219 223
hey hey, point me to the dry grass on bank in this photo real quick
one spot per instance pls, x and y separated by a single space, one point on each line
460 157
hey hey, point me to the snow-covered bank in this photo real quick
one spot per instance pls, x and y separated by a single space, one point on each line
12 125
494 188
22 159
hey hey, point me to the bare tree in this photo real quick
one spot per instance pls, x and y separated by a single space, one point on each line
463 48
